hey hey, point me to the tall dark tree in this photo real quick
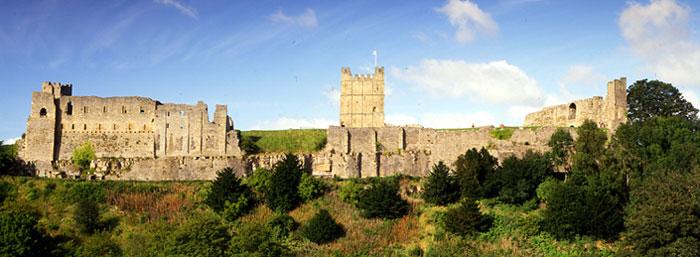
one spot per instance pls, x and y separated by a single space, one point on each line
472 169
465 219
440 187
227 191
646 99
283 193
382 200
590 147
561 144
518 178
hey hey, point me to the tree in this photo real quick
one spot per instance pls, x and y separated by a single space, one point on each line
252 239
281 225
283 194
590 147
229 196
322 228
518 179
83 156
440 186
465 219
472 169
311 188
19 235
663 216
87 215
561 144
382 200
647 99
204 235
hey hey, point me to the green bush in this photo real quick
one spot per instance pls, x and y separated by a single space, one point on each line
311 188
83 155
259 180
440 187
382 200
322 228
663 216
7 191
93 191
229 196
252 239
87 215
517 179
281 225
99 244
453 246
465 219
546 188
561 144
502 133
350 191
283 194
19 235
203 235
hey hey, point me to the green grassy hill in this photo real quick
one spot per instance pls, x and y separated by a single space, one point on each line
282 141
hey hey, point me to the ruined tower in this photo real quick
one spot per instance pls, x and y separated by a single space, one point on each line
615 106
43 126
362 99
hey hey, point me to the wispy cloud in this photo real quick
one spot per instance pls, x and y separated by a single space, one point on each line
469 20
660 34
184 9
306 19
10 141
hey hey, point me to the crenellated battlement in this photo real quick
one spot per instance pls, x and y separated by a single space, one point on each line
362 98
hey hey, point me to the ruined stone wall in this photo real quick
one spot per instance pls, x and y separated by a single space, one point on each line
362 99
608 112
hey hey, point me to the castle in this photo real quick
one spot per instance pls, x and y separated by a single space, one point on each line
137 138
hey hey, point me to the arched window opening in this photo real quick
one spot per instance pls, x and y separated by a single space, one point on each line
42 112
374 109
69 108
84 126
572 111
124 109
85 109
104 108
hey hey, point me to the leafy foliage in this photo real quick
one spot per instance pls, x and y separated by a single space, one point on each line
322 228
663 216
472 169
19 235
281 225
87 215
440 187
83 155
647 99
465 219
255 240
311 188
382 200
259 180
350 191
518 179
89 190
99 245
203 235
11 165
229 196
590 147
561 144
502 133
283 194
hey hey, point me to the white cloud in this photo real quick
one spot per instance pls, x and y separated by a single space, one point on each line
306 19
578 83
293 123
660 34
332 94
518 112
10 141
494 82
184 9
468 19
400 119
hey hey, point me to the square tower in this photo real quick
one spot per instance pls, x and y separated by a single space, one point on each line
362 99
615 107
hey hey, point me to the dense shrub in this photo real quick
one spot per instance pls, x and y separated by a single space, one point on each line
545 190
663 216
465 219
229 196
19 235
561 144
382 200
93 191
87 215
203 235
82 156
440 186
472 169
322 228
252 239
283 194
259 180
6 190
311 188
350 191
590 147
281 225
518 179
453 246
99 244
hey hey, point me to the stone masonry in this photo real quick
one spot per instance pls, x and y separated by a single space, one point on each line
362 99
608 112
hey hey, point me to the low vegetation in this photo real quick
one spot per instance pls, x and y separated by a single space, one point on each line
283 141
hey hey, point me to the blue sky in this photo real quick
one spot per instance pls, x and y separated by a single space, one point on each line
276 64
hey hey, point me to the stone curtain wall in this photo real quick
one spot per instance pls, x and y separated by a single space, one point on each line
362 99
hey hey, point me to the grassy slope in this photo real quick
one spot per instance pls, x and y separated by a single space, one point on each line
143 213
292 140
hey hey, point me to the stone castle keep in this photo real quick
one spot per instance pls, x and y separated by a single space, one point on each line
137 138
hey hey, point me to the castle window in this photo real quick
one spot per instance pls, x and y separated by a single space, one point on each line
61 125
141 109
85 109
114 127
131 126
374 109
168 114
72 126
42 112
167 125
104 108
84 126
99 126
144 127
572 111
124 109
69 108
